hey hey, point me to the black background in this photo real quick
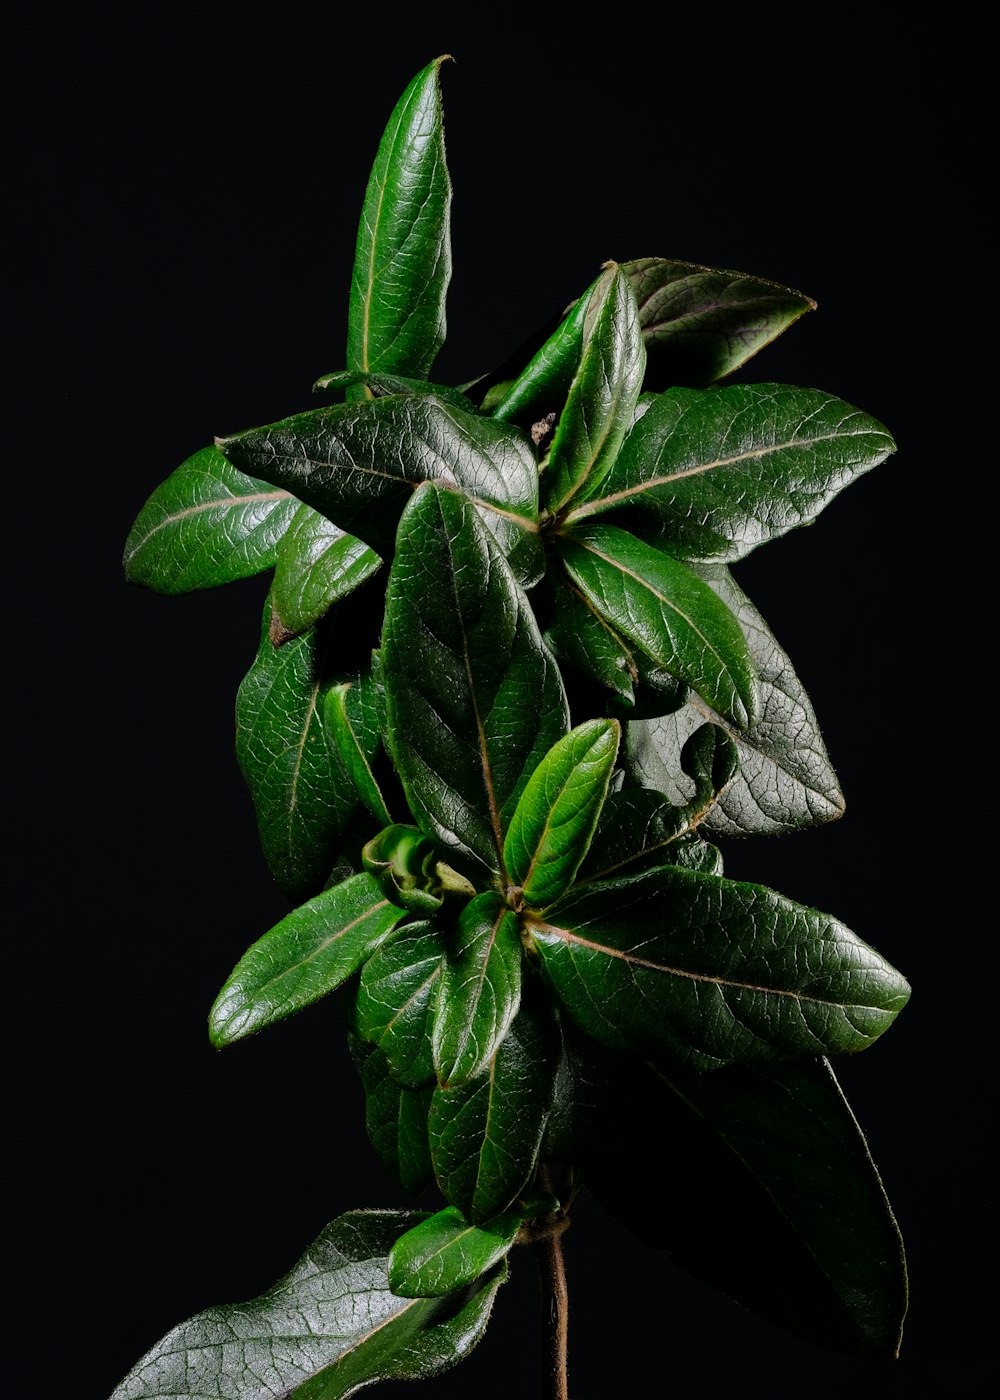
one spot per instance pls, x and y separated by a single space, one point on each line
185 197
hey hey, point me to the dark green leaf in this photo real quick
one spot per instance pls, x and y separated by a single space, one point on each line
310 952
462 663
712 972
785 778
719 472
446 1252
664 608
330 1327
317 563
555 817
702 323
395 1001
485 1134
541 387
302 795
355 713
402 263
580 637
382 385
602 397
480 989
207 524
396 1122
768 1192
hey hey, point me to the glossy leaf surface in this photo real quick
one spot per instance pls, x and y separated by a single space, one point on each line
581 638
718 473
402 262
785 778
310 952
712 972
462 662
480 989
354 712
557 813
330 1328
542 385
664 608
396 995
701 323
382 385
316 564
396 1123
206 525
445 1252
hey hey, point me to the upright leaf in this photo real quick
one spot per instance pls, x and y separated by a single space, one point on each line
355 713
445 1252
330 1327
480 989
462 663
711 972
206 525
395 1001
402 263
718 473
542 385
557 813
316 565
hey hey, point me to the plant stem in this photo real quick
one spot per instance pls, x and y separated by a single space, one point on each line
555 1312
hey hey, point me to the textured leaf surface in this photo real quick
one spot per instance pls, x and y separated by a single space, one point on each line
485 1134
355 712
381 385
664 608
396 996
331 1327
783 1208
581 638
718 473
396 1122
462 662
558 811
480 989
602 397
402 262
712 971
206 525
543 384
445 1252
302 795
785 777
701 323
312 950
316 564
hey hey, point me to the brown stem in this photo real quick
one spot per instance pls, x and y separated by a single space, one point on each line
555 1311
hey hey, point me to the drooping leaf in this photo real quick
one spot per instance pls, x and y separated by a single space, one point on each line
709 971
557 813
355 713
785 778
357 464
602 397
445 1252
667 611
316 564
310 952
402 262
485 1134
396 1121
302 795
541 387
480 989
382 385
462 662
330 1328
782 1206
395 1001
701 323
206 525
716 473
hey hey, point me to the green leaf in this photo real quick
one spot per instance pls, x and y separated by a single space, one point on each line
396 1122
330 1328
303 798
316 564
357 464
462 663
667 611
395 1001
480 989
783 1208
581 638
485 1134
719 472
206 525
310 952
446 1252
402 263
785 777
712 972
701 323
355 713
602 397
557 813
542 385
382 385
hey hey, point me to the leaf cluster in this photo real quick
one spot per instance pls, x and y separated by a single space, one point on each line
507 691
